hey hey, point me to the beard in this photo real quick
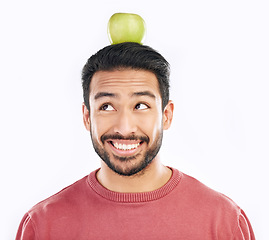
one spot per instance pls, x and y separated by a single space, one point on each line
134 166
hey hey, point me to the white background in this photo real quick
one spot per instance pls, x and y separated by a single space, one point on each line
219 56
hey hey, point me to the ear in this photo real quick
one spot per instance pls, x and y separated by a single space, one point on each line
86 117
168 115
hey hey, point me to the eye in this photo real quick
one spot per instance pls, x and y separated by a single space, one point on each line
107 107
141 106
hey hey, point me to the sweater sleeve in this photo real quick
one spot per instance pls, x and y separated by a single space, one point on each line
244 230
26 229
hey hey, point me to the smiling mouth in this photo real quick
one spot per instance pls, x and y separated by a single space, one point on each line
124 146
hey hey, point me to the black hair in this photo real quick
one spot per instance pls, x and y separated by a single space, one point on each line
127 55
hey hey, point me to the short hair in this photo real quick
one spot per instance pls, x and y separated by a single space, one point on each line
127 55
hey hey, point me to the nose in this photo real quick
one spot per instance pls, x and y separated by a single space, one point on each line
125 124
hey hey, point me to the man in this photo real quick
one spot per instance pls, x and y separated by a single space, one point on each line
132 196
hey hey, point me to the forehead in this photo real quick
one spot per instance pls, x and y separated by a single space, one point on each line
128 80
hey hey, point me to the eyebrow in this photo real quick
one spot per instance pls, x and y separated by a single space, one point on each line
105 94
144 93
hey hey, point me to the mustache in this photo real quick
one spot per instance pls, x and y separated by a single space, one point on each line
121 137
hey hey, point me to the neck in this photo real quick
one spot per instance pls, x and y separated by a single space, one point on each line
153 177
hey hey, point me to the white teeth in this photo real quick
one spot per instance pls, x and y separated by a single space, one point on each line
125 146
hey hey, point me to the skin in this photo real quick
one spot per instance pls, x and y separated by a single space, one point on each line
128 103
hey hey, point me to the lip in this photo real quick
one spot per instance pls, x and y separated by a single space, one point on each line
126 152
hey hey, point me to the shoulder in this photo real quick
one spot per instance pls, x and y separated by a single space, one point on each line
50 210
212 209
204 199
62 199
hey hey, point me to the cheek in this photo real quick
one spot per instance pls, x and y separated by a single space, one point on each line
151 126
99 126
96 128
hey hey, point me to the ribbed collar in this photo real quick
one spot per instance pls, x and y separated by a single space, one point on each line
134 197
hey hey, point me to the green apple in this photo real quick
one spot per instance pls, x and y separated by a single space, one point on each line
126 27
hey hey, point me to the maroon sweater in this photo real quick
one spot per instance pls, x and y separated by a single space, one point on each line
183 209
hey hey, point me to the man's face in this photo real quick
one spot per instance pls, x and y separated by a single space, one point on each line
126 120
